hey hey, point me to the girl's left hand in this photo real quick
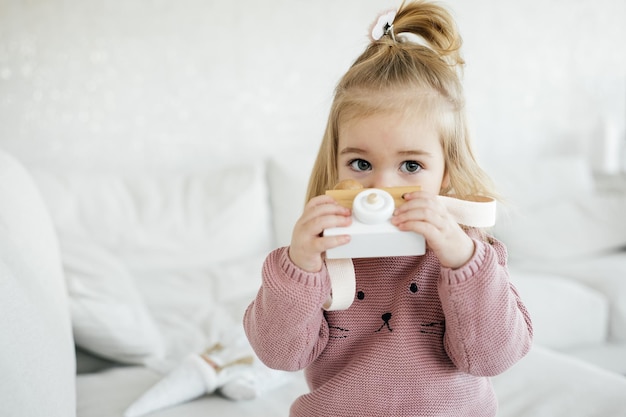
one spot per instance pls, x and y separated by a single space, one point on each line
423 213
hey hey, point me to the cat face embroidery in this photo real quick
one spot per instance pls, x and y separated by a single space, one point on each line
376 317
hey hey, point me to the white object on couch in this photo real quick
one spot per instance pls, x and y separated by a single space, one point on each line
140 250
193 378
288 178
565 313
552 212
37 364
109 316
164 220
604 273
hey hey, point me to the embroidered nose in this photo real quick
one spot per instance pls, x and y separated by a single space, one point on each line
386 317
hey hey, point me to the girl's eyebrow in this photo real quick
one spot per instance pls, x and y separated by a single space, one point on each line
412 152
351 150
417 152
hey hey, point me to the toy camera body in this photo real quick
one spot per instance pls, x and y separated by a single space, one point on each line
371 231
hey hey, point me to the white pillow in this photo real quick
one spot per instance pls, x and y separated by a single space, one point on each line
183 304
565 314
109 317
174 220
542 181
237 283
566 229
550 210
605 274
288 178
137 248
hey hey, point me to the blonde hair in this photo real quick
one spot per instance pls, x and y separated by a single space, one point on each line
423 78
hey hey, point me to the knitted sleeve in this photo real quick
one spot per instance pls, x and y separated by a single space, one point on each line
285 323
488 328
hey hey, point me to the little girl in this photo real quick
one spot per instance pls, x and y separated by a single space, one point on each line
424 333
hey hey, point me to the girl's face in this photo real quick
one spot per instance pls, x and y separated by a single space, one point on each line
390 150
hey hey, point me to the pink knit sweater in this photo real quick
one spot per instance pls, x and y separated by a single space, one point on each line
419 339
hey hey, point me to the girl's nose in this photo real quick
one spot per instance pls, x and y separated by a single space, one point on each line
380 179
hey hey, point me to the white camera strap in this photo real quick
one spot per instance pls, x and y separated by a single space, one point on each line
342 283
480 212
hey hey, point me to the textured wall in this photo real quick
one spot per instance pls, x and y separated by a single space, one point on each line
87 83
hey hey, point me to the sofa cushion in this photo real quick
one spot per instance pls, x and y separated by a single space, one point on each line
99 395
610 356
547 384
37 360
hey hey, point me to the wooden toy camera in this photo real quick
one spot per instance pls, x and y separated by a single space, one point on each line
371 231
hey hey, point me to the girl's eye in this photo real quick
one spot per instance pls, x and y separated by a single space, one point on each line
411 167
360 165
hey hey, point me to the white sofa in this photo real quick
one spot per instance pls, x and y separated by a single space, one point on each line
140 269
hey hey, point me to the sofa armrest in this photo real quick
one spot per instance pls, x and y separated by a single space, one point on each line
37 361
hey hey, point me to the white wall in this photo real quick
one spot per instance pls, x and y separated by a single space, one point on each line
87 83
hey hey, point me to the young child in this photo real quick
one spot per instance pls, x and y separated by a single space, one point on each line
424 333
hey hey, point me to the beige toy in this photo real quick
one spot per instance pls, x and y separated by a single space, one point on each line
345 191
198 375
373 235
371 231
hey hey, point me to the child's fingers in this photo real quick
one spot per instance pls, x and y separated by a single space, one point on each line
421 207
307 242
315 226
425 214
324 243
322 200
320 216
321 205
308 255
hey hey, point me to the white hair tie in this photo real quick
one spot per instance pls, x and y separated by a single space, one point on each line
408 37
384 26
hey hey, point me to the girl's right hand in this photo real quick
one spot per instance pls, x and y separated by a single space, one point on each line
307 242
